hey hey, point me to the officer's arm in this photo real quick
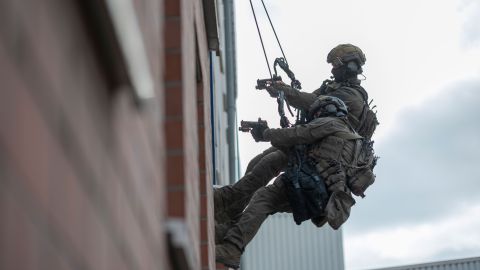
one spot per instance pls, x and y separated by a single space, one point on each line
302 134
299 100
318 92
295 98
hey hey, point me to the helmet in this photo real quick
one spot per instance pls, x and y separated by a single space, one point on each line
344 53
327 106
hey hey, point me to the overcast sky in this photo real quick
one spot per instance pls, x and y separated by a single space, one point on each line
423 73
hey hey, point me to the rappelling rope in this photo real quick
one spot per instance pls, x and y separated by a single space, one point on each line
275 32
282 62
261 38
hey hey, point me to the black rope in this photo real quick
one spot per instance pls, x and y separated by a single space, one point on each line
275 32
261 40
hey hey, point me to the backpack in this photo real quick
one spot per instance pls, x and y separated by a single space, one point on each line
360 175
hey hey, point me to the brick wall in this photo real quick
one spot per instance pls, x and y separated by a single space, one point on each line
181 125
81 167
88 179
188 127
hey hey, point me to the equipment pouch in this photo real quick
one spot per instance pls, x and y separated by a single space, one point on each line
306 192
329 149
362 179
338 208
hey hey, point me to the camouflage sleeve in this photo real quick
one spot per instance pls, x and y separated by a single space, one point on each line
297 99
318 92
304 134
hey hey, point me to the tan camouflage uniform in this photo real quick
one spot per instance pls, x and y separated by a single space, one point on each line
330 139
231 200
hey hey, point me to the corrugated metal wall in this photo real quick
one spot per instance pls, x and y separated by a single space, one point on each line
462 264
282 245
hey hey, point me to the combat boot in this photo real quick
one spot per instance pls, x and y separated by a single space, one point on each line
221 231
228 254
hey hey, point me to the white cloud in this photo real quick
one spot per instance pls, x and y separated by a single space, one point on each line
454 234
428 163
470 10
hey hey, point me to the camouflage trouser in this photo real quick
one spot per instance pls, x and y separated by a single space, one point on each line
231 200
266 201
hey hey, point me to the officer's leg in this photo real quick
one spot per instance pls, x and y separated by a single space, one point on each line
267 168
231 200
254 161
221 195
266 201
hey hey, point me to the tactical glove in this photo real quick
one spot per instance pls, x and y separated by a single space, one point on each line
257 132
276 87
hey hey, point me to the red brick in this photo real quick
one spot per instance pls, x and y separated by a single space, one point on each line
203 206
62 114
172 7
176 203
175 172
172 33
203 229
111 185
174 134
174 102
204 254
173 66
202 172
203 183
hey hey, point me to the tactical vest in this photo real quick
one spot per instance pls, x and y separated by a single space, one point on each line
360 174
343 163
333 155
316 179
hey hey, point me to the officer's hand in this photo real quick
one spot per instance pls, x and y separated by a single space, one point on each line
257 132
272 91
276 87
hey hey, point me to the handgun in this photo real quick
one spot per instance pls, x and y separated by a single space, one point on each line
247 126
